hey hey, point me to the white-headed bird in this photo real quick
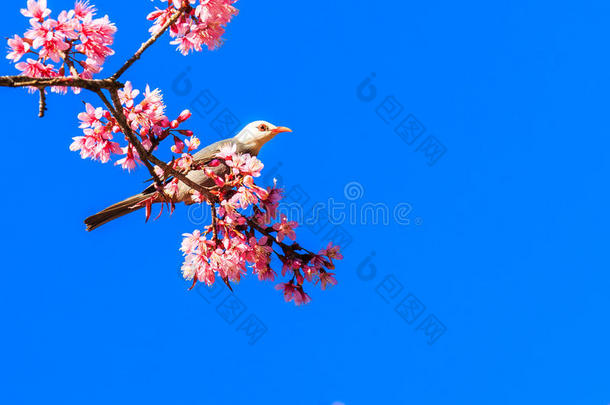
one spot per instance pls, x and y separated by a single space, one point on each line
249 140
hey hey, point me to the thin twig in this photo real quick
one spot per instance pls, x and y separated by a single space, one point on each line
147 44
42 104
268 232
214 222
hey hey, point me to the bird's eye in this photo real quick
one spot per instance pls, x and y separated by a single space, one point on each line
263 128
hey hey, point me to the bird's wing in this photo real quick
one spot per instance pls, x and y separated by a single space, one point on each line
203 157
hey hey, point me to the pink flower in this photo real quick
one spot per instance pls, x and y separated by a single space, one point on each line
262 218
265 274
33 68
152 107
188 270
91 117
292 292
300 297
128 94
203 26
82 9
250 165
187 41
37 10
190 242
332 252
46 36
75 37
192 143
228 260
291 265
271 203
158 171
317 262
206 274
130 161
95 37
197 196
288 289
96 144
243 198
67 26
285 228
178 146
227 151
146 117
326 279
241 239
259 252
18 48
260 192
171 188
146 142
236 248
160 17
184 162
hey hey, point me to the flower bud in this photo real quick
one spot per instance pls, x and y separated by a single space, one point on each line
184 115
164 122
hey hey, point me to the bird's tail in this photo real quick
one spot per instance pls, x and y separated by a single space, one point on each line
116 210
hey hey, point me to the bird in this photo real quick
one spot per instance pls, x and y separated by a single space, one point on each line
249 140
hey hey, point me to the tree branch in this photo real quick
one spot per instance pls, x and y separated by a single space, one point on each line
107 103
118 113
89 84
112 85
42 105
146 156
268 232
43 82
147 44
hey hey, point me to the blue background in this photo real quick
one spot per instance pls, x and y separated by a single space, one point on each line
507 244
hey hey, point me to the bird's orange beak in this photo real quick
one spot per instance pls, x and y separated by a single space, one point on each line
279 130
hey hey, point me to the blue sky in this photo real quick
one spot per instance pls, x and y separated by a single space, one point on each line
482 124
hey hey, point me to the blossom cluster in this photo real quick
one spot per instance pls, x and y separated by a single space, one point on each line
146 119
76 41
245 232
201 24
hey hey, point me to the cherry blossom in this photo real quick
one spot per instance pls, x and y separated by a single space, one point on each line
201 24
147 120
332 252
285 228
18 47
34 68
130 160
76 42
37 10
326 279
245 236
234 244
